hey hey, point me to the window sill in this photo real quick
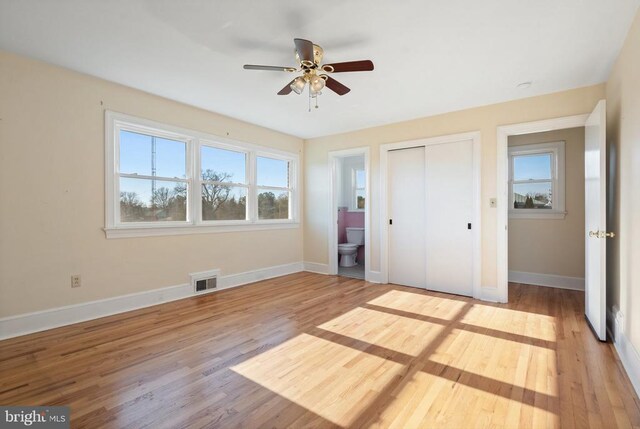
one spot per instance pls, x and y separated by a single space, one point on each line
546 215
156 230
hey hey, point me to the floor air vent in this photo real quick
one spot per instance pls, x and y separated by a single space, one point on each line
205 281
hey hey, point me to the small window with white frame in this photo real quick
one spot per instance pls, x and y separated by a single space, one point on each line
536 181
164 180
358 187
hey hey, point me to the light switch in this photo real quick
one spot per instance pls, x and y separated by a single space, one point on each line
493 202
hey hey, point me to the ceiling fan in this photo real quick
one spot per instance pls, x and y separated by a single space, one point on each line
309 57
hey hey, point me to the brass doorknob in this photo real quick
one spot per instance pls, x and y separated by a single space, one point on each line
601 234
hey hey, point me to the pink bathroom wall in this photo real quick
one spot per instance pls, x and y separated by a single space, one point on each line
354 219
342 225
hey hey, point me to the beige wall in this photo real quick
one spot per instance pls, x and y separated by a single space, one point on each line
484 119
553 246
52 194
623 136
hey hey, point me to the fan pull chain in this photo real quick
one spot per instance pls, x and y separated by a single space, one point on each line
309 98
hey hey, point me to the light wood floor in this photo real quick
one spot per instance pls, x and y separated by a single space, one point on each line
308 350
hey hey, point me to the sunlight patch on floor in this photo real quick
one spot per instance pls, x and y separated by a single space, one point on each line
509 365
402 334
512 322
334 381
420 304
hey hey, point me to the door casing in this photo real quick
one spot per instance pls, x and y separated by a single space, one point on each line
332 237
501 292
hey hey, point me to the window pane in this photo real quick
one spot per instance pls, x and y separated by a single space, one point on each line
273 172
272 205
360 179
142 154
144 200
532 196
221 165
360 199
220 202
526 167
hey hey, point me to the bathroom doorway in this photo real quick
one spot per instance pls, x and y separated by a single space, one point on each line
349 231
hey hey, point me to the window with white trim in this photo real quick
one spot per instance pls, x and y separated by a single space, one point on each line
224 186
274 188
165 180
536 181
357 189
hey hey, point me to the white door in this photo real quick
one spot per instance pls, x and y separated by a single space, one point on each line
595 219
449 215
406 186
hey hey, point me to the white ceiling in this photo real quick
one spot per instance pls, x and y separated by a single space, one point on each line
430 56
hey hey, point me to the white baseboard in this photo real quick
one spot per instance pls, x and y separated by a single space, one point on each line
490 294
313 267
28 323
240 279
550 280
375 277
628 354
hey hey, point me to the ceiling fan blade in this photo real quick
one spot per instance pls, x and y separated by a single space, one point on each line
271 68
349 66
336 86
304 48
286 90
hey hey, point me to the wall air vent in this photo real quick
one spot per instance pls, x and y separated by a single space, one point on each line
205 282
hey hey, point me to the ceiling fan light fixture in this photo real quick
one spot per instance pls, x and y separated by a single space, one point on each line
298 85
316 83
309 58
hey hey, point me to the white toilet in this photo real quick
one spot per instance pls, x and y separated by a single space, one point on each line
349 250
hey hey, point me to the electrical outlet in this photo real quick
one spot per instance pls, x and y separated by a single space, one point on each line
493 202
75 280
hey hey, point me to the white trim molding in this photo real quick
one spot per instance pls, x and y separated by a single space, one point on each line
314 267
154 231
628 354
549 280
28 323
502 186
475 137
375 277
491 294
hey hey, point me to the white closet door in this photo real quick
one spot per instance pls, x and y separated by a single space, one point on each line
449 213
406 187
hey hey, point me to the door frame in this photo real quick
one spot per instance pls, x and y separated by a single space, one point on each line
384 200
332 238
501 293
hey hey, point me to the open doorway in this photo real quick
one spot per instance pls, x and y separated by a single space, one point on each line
349 227
547 208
